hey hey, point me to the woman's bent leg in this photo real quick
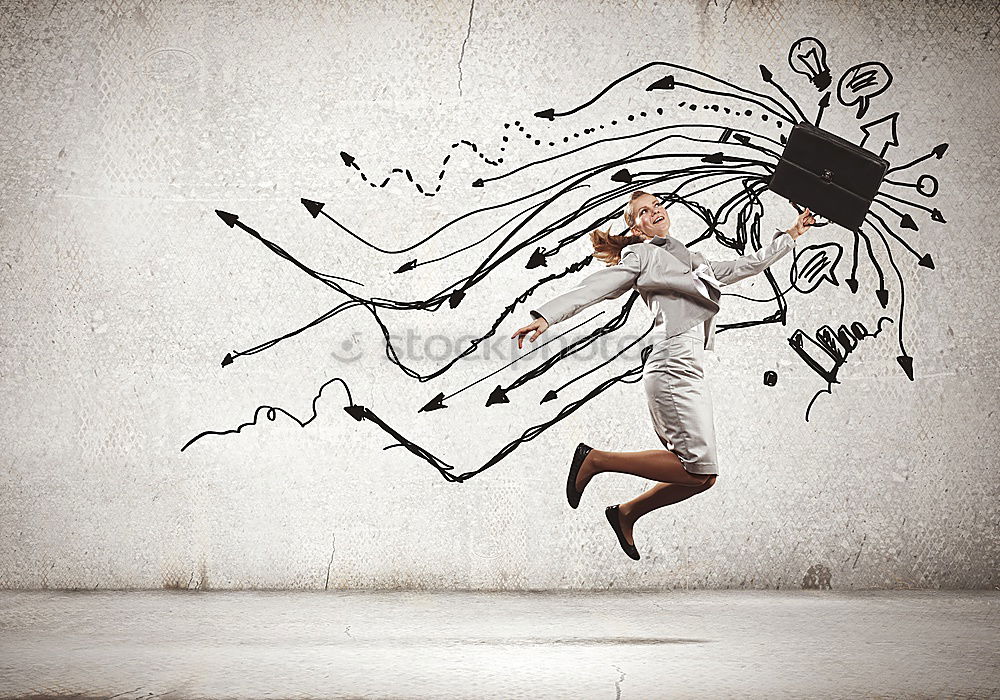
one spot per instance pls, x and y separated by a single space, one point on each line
657 497
658 465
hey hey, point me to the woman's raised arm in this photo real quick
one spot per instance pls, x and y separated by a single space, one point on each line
729 271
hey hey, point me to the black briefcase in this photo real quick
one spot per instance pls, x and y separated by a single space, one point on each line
832 176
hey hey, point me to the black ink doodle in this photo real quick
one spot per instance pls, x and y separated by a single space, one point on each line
683 164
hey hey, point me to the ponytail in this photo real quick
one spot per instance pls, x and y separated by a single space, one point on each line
608 247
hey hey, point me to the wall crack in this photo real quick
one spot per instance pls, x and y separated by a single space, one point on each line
468 32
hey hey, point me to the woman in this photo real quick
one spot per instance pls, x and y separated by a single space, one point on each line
681 288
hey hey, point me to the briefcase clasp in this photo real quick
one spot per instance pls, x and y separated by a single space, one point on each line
827 175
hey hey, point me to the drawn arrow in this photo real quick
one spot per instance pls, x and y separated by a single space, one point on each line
938 151
538 259
741 92
554 393
768 77
824 102
351 162
882 131
438 401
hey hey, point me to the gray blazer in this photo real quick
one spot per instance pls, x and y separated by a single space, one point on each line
660 269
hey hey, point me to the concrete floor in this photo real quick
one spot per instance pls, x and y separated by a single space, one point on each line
500 645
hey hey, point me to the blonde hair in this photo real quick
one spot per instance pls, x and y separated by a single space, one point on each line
607 246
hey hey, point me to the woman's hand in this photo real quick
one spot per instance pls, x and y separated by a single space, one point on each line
802 223
538 326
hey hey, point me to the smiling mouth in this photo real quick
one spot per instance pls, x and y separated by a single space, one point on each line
657 220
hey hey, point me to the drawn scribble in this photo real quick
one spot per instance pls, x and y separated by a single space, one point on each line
927 185
828 352
423 188
860 83
808 57
716 168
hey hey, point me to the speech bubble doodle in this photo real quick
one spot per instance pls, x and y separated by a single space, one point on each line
860 83
814 264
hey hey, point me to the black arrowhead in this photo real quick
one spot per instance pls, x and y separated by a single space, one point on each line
549 396
537 259
927 261
434 404
853 284
498 396
456 298
665 83
939 150
825 100
407 266
230 219
227 360
783 140
478 183
546 114
883 296
312 207
937 216
906 362
765 73
622 175
357 412
716 158
907 222
348 158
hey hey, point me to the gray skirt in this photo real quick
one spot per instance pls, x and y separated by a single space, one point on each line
680 401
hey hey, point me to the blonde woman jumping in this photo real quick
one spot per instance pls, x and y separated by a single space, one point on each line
681 288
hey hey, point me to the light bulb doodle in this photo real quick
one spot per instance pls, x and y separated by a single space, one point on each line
860 83
808 57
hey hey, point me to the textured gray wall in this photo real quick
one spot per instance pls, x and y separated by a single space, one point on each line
126 124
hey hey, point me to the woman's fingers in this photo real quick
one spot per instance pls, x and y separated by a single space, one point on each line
535 326
520 335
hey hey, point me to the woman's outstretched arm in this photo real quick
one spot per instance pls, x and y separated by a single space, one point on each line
729 271
607 283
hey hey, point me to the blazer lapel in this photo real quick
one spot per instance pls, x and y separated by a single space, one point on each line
684 279
675 248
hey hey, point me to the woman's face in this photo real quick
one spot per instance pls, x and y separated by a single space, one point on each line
650 217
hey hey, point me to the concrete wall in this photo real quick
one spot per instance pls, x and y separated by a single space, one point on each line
127 124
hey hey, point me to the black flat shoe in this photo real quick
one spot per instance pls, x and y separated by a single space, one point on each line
574 468
614 517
